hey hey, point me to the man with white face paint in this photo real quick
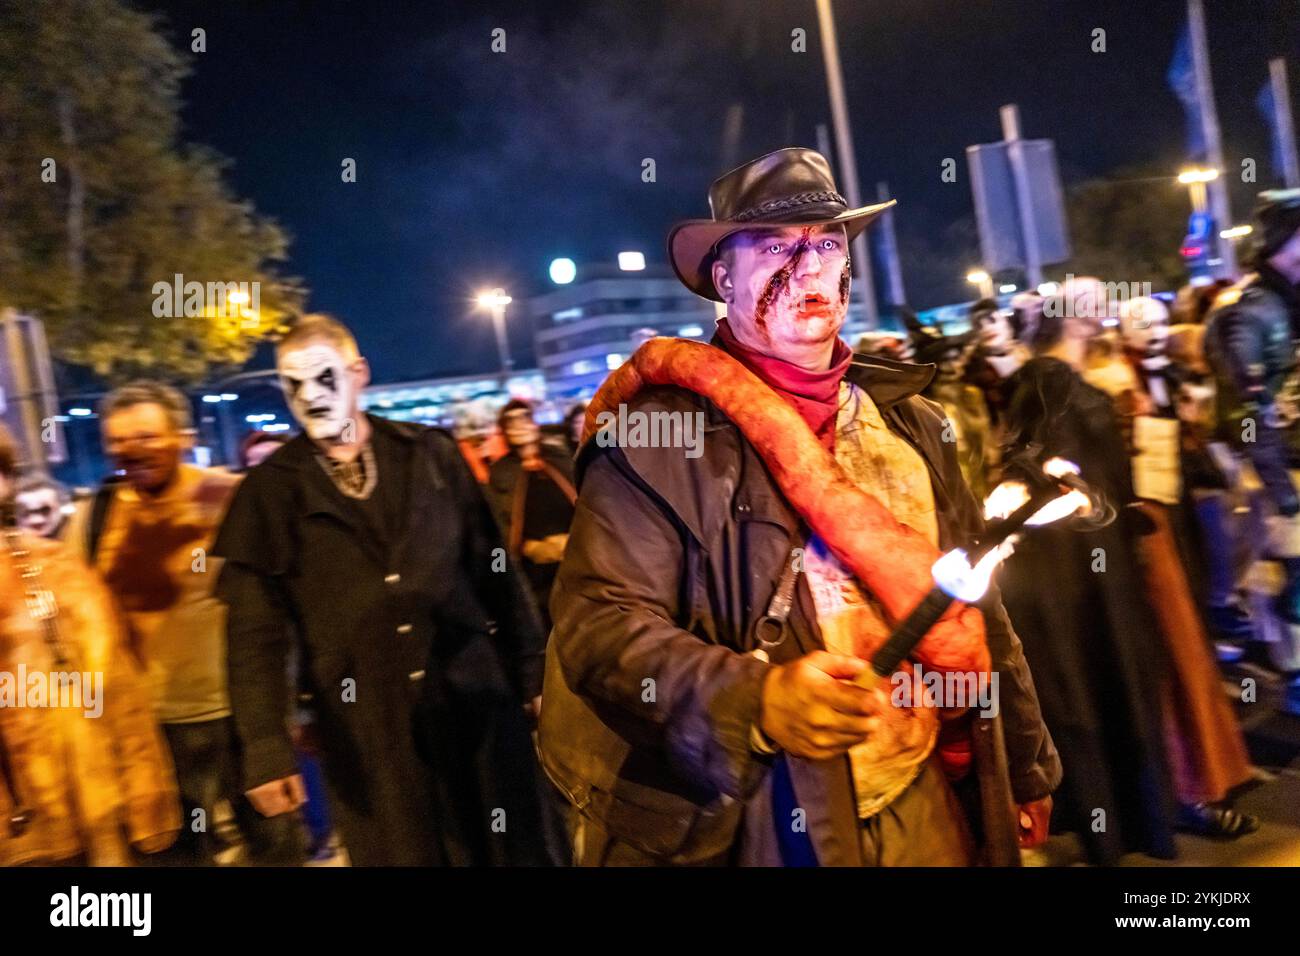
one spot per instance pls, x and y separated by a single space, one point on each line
321 386
998 354
1207 752
1144 330
367 546
997 346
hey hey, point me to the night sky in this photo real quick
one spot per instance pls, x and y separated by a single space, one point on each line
476 169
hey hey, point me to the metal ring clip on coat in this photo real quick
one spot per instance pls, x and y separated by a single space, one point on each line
778 612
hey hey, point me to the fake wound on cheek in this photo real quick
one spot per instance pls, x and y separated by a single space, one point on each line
780 279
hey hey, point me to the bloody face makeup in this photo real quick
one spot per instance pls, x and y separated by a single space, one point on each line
144 444
319 389
789 286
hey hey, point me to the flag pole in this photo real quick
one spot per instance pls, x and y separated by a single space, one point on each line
848 165
1218 186
889 244
1283 127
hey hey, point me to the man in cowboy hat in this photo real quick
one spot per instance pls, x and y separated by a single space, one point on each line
673 741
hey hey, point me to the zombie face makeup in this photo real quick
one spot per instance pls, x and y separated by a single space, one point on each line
1144 325
1157 340
788 288
995 332
39 511
320 388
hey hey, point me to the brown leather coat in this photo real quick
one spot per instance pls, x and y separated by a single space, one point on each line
650 694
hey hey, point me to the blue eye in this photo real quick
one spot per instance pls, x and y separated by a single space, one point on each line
776 248
830 244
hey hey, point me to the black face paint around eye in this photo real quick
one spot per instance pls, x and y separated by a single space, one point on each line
326 378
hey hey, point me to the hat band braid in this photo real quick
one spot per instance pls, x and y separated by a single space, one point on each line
788 202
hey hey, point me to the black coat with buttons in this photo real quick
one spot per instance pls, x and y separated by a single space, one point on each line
417 653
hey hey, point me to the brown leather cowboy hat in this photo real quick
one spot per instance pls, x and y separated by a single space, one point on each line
788 187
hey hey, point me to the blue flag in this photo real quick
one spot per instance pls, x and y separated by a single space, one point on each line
1182 80
1265 103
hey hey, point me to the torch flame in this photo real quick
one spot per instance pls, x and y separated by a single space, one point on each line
1062 507
953 573
1004 499
1010 495
1058 467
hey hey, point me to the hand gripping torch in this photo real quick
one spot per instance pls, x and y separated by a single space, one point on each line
962 577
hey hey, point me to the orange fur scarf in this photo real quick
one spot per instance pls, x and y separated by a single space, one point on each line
891 560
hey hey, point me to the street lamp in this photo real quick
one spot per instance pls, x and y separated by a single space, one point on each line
1195 179
982 279
495 302
1200 245
563 271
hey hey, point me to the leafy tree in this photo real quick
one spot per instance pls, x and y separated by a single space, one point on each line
1129 228
99 201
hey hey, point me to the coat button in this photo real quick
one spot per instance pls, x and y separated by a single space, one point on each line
404 628
392 578
416 675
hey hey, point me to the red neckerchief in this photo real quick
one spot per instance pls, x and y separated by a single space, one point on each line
814 395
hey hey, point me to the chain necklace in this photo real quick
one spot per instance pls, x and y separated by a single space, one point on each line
356 479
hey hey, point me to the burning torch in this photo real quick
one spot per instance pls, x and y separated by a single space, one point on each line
959 576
